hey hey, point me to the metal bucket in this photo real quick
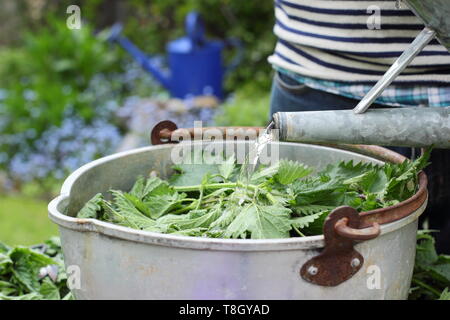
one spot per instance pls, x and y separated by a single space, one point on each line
114 262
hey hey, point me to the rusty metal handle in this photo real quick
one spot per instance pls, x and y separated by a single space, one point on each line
163 132
341 227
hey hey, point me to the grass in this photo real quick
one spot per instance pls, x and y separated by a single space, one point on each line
24 221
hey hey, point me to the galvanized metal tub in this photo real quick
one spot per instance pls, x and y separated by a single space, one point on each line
114 262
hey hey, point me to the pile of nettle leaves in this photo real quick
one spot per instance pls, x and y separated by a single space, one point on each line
33 273
431 279
280 201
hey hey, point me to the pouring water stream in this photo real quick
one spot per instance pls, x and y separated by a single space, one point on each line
255 152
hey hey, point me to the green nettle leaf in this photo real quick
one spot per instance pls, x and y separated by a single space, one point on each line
162 204
92 208
144 187
7 288
316 227
29 296
138 188
310 209
403 177
431 278
290 171
226 169
226 217
162 189
27 264
155 186
261 222
426 253
445 295
123 204
68 296
125 213
49 291
138 204
24 273
194 232
372 181
5 263
321 189
346 170
192 172
441 272
4 248
264 173
436 266
195 219
304 222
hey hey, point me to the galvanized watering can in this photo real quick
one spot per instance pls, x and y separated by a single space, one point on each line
195 63
351 261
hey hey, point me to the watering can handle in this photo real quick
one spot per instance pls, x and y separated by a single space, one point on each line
399 65
195 28
237 44
115 32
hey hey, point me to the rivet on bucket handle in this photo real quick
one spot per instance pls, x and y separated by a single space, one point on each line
339 261
162 132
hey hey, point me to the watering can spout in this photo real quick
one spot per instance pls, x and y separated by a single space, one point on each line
140 57
399 127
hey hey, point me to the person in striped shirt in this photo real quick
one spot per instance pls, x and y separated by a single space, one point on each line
330 53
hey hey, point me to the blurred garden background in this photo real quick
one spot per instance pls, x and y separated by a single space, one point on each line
68 96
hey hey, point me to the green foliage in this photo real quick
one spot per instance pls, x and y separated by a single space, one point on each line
445 295
290 171
33 273
92 207
249 107
51 78
305 221
261 222
276 202
189 174
51 72
59 77
72 57
151 24
431 278
362 186
13 66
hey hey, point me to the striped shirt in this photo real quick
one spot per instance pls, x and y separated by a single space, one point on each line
353 43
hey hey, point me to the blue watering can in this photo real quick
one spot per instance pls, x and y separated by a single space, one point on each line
195 64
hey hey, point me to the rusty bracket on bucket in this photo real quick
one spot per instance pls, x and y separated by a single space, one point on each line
339 261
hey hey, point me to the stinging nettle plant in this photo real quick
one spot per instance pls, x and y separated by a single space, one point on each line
284 200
